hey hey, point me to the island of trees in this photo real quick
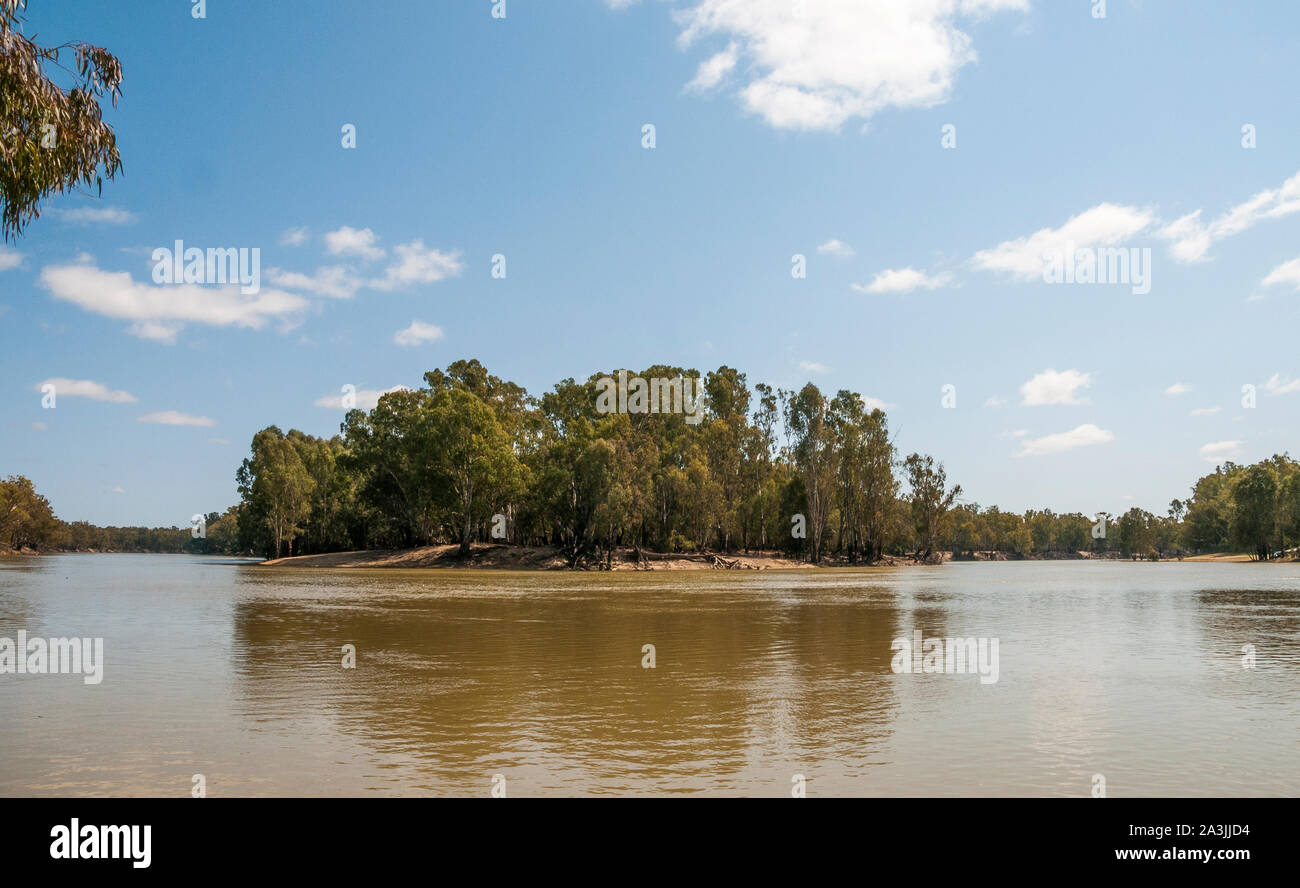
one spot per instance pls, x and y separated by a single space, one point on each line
470 458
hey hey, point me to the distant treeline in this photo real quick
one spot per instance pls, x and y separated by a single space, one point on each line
27 522
470 457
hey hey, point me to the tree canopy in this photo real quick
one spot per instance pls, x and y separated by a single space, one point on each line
54 137
473 458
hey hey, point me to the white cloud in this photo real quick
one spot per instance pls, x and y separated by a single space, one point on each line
97 216
418 265
813 367
994 401
1279 385
334 281
176 418
816 65
413 264
158 312
984 7
1286 273
156 331
1080 436
1220 450
9 258
713 69
903 280
836 247
1051 387
354 242
294 237
1015 433
85 388
1178 388
1204 411
366 399
417 333
871 403
1191 238
1104 225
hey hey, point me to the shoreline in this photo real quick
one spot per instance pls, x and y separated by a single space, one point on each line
497 556
493 556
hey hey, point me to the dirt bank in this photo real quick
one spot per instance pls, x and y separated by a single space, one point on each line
484 555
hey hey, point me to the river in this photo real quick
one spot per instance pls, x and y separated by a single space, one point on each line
762 682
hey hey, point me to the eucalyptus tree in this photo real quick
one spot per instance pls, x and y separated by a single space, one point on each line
388 450
471 460
724 435
1253 522
813 442
277 488
931 501
26 518
52 137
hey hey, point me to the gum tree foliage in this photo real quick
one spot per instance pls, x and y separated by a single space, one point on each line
868 490
761 483
815 457
80 150
480 428
930 503
1135 532
473 466
386 449
1254 516
1208 511
437 464
26 519
1253 509
277 489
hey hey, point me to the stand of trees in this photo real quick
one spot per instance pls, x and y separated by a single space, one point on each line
26 519
27 522
441 463
437 464
813 475
1254 509
1046 534
1243 509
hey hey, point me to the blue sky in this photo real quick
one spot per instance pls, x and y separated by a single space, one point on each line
780 129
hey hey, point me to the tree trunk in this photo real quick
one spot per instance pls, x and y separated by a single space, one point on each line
465 537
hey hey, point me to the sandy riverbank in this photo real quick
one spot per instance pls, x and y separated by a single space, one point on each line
483 555
1241 559
499 557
